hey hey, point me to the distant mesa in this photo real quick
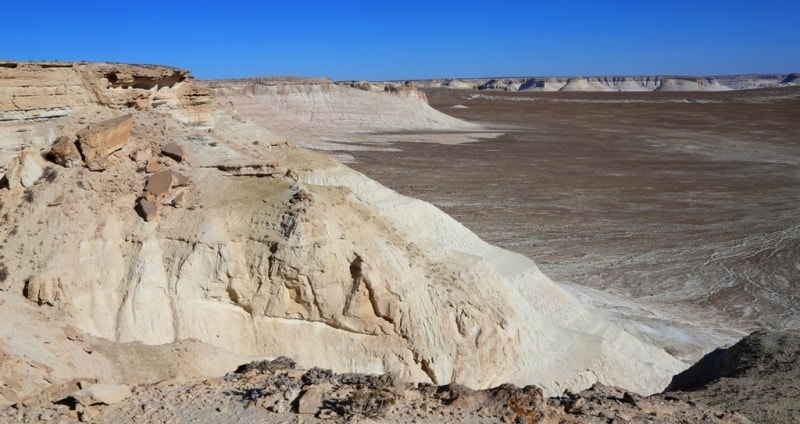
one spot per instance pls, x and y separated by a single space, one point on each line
691 84
310 112
617 83
585 84
500 84
454 83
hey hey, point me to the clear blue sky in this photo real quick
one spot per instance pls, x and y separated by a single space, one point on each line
412 39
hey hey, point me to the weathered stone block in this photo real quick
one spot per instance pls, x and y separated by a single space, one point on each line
159 183
311 400
179 180
32 288
100 140
65 153
175 151
107 394
152 165
32 167
179 201
141 155
147 209
43 292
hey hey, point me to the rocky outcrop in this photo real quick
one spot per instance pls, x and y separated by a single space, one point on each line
36 91
306 110
761 354
506 84
584 84
595 84
757 377
42 292
44 90
287 250
454 83
405 89
43 360
690 84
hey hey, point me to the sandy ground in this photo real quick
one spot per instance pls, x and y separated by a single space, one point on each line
679 212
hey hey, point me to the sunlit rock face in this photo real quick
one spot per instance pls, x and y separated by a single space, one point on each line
257 247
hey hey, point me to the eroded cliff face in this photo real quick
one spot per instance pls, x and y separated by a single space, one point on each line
39 91
316 112
613 83
203 226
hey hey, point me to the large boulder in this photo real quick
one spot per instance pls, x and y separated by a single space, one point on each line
32 167
99 140
24 171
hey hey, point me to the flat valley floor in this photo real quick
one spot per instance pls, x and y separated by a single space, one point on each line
677 213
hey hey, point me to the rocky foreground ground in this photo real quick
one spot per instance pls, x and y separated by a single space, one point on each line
756 380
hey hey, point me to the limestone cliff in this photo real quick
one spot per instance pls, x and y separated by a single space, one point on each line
305 110
201 225
612 83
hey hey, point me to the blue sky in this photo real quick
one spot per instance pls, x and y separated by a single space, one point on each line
413 39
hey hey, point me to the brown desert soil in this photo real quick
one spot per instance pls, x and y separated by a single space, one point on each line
679 212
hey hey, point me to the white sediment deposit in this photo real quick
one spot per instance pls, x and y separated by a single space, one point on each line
317 112
258 248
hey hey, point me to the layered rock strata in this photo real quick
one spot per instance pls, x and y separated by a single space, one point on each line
315 113
614 83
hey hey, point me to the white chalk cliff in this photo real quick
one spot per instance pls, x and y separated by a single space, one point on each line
261 248
613 83
316 113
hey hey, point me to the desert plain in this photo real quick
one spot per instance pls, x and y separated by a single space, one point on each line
676 212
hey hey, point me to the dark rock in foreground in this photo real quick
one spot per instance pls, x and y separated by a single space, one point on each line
758 377
276 391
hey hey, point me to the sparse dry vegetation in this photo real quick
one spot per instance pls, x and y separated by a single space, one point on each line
50 174
3 272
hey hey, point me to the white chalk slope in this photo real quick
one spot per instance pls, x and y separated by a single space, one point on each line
328 116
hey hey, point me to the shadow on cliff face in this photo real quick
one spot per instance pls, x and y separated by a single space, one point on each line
761 354
145 82
759 377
